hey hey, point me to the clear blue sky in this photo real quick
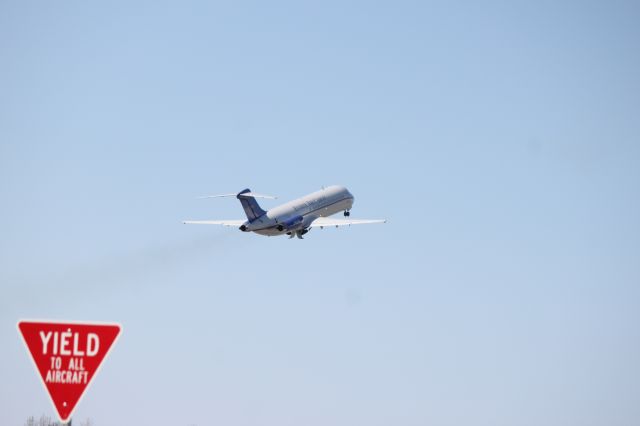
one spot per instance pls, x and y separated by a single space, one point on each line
500 139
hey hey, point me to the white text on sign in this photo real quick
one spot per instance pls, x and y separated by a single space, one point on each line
62 343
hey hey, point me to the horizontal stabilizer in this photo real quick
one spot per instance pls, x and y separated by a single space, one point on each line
328 221
217 196
254 195
241 195
214 222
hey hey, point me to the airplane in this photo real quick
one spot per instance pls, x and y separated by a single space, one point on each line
294 218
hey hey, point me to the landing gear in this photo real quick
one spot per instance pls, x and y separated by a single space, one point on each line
298 233
346 213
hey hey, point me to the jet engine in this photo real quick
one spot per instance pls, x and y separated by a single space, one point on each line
290 224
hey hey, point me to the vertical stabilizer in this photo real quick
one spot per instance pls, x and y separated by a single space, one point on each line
250 205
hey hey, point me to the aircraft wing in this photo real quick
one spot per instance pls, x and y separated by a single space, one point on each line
215 222
328 221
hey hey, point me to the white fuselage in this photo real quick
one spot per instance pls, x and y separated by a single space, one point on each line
298 214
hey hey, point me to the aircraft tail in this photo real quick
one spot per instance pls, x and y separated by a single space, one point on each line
249 204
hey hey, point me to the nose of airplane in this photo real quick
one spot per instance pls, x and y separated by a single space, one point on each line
349 194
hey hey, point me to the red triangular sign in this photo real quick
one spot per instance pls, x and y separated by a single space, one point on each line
67 355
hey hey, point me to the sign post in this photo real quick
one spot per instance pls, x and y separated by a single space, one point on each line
67 356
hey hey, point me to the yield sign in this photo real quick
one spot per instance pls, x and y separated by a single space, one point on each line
67 356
